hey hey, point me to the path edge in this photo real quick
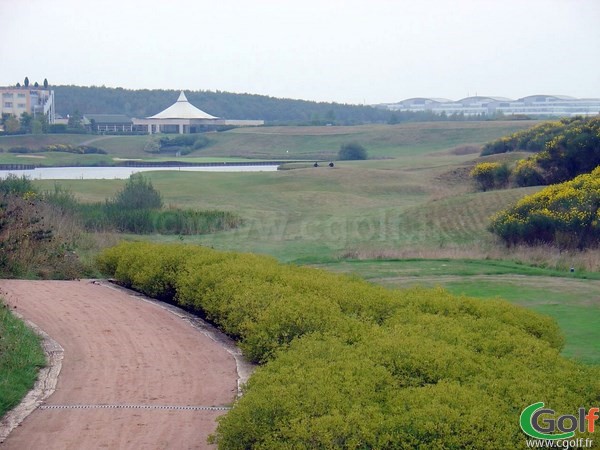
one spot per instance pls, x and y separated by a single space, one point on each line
44 386
244 367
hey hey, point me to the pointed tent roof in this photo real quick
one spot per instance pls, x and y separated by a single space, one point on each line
182 109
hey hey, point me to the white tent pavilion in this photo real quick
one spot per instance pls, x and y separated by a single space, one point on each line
184 117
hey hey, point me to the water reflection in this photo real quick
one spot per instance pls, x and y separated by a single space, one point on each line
120 173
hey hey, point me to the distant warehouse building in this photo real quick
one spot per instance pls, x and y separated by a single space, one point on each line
31 100
533 105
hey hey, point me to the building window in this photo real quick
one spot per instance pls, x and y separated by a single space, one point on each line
7 94
21 105
8 104
21 95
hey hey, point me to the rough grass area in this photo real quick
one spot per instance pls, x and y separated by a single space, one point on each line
20 358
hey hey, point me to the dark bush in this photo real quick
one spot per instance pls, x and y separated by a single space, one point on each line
201 142
351 152
57 128
138 193
23 150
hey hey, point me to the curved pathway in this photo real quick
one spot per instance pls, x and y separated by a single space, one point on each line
134 375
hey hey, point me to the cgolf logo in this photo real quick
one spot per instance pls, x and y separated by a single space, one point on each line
539 422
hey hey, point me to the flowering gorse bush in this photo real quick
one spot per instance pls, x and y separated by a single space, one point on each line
490 175
565 214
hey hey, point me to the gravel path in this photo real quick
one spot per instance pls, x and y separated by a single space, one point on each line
133 375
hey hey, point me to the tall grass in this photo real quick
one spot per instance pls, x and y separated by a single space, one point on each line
545 256
20 358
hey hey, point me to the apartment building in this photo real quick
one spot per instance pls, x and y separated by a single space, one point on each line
32 100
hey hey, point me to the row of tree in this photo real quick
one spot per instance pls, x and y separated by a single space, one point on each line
145 102
36 84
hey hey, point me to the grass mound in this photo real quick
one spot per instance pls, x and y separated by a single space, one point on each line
347 364
20 358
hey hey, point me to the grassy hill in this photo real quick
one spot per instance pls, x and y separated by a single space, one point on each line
320 142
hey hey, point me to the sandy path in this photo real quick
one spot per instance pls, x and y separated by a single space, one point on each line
120 350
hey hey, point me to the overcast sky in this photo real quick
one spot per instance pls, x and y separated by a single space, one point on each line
363 51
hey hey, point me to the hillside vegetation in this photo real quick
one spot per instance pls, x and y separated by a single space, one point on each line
565 149
350 365
565 214
145 102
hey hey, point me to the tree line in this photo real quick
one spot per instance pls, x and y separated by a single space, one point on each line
274 111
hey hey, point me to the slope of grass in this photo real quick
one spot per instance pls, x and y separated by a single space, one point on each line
382 141
20 358
325 212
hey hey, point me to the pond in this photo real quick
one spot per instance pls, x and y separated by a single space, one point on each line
122 173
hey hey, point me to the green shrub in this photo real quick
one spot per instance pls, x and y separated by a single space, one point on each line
352 151
181 140
22 150
14 185
201 142
526 173
350 365
137 194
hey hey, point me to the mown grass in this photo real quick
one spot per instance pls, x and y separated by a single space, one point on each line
374 269
21 356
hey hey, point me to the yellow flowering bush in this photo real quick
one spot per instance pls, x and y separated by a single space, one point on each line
527 173
564 214
490 175
534 139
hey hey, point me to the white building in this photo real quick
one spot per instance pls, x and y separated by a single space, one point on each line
32 100
182 117
533 105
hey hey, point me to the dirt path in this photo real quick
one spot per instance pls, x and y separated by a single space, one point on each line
129 366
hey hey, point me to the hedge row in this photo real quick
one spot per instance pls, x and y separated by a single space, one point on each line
347 364
66 148
101 217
